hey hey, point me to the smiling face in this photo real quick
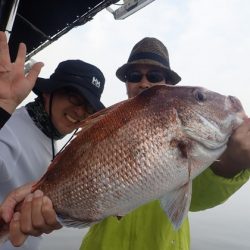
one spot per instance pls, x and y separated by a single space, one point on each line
68 109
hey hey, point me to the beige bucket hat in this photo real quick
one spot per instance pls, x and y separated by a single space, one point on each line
149 51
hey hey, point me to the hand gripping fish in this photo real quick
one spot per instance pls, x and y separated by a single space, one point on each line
146 148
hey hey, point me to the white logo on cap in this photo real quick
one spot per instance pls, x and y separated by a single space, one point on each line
96 82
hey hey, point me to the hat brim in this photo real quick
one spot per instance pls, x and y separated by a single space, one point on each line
48 86
172 76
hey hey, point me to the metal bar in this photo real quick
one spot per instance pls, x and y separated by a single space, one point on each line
8 9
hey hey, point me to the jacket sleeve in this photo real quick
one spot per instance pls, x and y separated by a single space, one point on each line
210 190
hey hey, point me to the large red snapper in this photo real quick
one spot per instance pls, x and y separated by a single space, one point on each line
145 148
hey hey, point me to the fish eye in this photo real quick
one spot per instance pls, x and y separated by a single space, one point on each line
200 96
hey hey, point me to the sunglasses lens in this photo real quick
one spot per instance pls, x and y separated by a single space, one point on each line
155 76
152 76
90 110
75 99
134 77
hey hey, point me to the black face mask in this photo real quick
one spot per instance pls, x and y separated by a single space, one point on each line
43 122
41 119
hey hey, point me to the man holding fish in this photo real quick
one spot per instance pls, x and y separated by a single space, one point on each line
147 227
28 133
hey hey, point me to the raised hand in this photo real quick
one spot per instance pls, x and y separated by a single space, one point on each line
14 84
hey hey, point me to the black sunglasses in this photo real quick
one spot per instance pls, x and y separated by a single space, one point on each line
77 100
152 76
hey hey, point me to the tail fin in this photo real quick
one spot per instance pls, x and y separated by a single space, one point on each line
4 231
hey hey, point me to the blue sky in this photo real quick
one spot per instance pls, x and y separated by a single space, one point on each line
209 45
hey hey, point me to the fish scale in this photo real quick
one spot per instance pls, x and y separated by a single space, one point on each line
146 148
124 156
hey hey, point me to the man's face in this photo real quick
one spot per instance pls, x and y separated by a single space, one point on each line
142 77
68 109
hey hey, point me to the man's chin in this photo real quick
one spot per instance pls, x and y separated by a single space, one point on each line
67 131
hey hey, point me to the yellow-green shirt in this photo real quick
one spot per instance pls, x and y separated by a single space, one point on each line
148 228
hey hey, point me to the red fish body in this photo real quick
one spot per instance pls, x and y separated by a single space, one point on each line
149 147
145 148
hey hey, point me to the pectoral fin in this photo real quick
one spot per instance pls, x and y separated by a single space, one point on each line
176 204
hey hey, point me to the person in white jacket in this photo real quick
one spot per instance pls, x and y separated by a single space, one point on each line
28 134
